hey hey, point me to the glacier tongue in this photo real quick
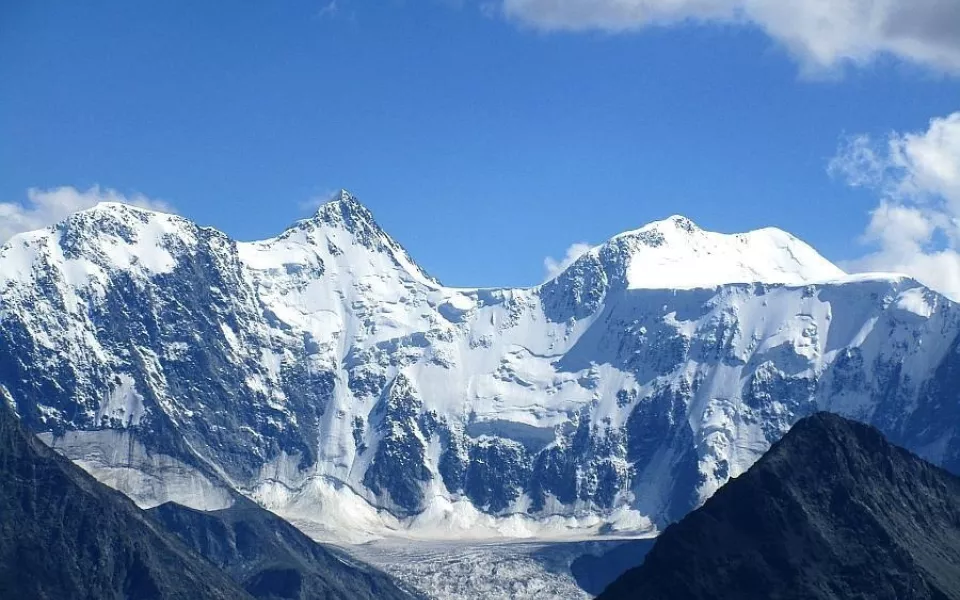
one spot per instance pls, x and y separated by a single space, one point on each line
324 373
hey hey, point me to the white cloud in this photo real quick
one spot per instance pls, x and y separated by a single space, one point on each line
822 34
313 203
859 162
330 9
916 227
554 266
45 207
931 161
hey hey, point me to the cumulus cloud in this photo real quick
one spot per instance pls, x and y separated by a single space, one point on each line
45 207
916 227
822 34
555 266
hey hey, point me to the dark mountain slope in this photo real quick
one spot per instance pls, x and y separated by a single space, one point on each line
63 535
831 511
594 573
271 558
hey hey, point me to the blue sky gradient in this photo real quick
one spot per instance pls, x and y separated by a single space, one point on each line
481 144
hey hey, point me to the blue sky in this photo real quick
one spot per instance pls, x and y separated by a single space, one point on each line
485 136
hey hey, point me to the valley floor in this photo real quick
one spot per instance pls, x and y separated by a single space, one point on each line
478 569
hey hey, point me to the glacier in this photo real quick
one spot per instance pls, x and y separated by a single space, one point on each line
327 375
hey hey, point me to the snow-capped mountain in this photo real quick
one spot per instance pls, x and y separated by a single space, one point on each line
676 254
328 376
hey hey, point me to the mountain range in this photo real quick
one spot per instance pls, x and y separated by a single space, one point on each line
327 376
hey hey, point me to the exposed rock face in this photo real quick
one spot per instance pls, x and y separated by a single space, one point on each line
65 535
832 511
326 375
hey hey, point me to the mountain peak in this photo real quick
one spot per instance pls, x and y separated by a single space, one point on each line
113 207
675 222
108 220
344 215
99 211
677 254
343 195
345 211
344 207
107 206
341 211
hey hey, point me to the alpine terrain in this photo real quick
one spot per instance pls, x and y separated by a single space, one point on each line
327 376
832 511
65 535
271 558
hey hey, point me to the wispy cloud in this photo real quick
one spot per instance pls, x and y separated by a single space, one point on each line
915 229
822 34
45 207
554 267
313 203
328 10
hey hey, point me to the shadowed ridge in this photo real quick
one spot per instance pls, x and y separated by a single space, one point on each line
831 511
271 558
65 535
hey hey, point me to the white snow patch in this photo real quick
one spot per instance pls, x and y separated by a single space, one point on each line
915 301
330 510
116 459
676 254
124 403
231 336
